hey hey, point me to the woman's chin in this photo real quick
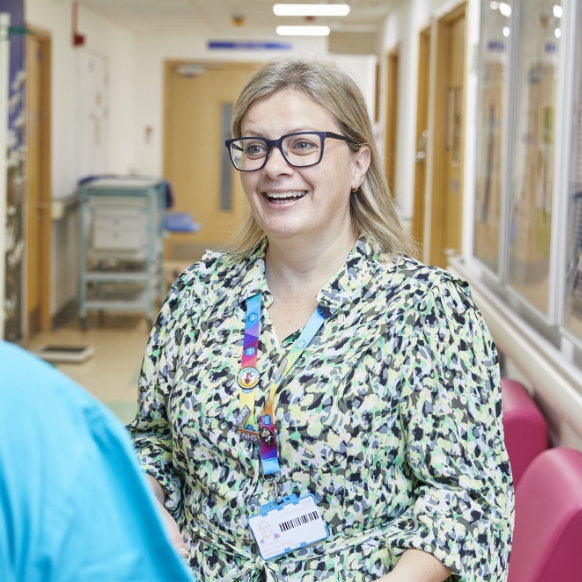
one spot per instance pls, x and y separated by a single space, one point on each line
283 229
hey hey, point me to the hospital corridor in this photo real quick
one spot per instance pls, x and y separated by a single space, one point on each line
291 290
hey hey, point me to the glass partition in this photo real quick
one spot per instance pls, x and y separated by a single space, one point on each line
494 59
531 217
573 306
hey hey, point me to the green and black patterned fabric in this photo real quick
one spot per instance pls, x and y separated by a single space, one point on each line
391 418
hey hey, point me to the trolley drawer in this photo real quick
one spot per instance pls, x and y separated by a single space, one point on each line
119 228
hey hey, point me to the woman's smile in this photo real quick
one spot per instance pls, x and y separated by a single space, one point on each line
284 197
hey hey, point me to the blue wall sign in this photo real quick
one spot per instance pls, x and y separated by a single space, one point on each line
248 45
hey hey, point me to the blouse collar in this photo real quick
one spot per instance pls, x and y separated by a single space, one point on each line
350 284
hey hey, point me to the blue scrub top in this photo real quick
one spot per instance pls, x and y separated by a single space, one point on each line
74 503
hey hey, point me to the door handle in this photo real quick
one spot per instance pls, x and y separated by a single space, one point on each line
421 146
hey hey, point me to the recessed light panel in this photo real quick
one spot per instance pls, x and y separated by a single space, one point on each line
303 30
311 9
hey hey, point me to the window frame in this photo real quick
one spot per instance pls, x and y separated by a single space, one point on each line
552 325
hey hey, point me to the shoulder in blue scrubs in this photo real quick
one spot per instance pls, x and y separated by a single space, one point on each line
74 504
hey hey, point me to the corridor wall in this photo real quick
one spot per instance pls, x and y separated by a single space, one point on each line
116 46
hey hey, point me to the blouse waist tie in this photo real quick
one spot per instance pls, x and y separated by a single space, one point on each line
255 565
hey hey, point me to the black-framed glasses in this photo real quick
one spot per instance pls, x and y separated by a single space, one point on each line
300 150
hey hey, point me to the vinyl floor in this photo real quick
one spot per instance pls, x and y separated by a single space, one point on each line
112 373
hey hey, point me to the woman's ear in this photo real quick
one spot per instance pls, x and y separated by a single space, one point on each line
361 162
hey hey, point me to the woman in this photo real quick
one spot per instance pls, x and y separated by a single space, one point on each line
320 361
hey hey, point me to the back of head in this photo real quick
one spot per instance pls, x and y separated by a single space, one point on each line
372 210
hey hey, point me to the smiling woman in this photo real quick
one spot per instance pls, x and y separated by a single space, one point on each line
300 198
319 383
330 96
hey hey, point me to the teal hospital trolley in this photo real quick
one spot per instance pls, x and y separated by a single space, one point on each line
122 246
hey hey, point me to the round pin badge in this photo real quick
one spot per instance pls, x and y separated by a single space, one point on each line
267 436
248 378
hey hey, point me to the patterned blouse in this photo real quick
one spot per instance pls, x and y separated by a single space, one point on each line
391 418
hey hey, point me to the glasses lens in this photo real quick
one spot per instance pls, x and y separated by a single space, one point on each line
302 149
248 153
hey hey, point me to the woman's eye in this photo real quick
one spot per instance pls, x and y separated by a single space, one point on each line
303 145
255 149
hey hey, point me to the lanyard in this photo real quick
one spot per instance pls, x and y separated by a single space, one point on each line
248 378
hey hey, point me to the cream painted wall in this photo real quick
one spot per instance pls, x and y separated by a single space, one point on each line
363 69
117 46
152 50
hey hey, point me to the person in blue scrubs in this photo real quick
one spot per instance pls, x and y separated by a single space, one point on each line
74 504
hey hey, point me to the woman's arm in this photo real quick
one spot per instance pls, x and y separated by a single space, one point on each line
417 566
151 430
450 414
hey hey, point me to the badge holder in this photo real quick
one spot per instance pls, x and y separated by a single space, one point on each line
288 524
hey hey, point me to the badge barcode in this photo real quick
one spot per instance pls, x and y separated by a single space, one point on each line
302 519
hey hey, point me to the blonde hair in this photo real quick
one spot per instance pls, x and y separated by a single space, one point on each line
372 211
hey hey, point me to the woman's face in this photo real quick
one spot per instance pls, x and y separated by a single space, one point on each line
310 202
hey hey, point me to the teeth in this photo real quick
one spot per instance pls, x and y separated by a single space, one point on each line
291 194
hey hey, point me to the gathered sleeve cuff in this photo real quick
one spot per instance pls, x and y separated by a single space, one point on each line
450 413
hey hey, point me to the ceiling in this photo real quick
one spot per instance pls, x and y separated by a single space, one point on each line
216 16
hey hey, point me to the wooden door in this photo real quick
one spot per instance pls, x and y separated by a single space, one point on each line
199 100
38 196
392 117
421 138
447 179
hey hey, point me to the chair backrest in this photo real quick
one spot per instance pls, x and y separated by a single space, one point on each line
526 429
547 539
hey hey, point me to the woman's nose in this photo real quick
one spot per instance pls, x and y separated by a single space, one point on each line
277 164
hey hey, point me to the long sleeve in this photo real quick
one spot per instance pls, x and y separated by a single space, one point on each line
151 430
450 412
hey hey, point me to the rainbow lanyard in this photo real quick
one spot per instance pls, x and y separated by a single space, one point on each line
248 379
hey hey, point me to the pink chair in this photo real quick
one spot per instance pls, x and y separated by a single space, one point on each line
526 430
547 539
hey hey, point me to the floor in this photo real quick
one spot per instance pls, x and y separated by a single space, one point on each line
112 373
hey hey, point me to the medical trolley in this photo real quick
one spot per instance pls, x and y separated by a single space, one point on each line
122 245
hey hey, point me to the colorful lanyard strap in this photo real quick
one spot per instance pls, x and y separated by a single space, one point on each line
248 379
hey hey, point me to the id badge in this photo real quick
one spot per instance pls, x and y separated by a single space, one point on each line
286 525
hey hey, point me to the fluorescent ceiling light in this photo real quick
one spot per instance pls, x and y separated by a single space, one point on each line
505 9
558 11
506 31
303 30
311 9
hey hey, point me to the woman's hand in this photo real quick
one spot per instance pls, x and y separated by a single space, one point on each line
174 533
417 566
171 526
